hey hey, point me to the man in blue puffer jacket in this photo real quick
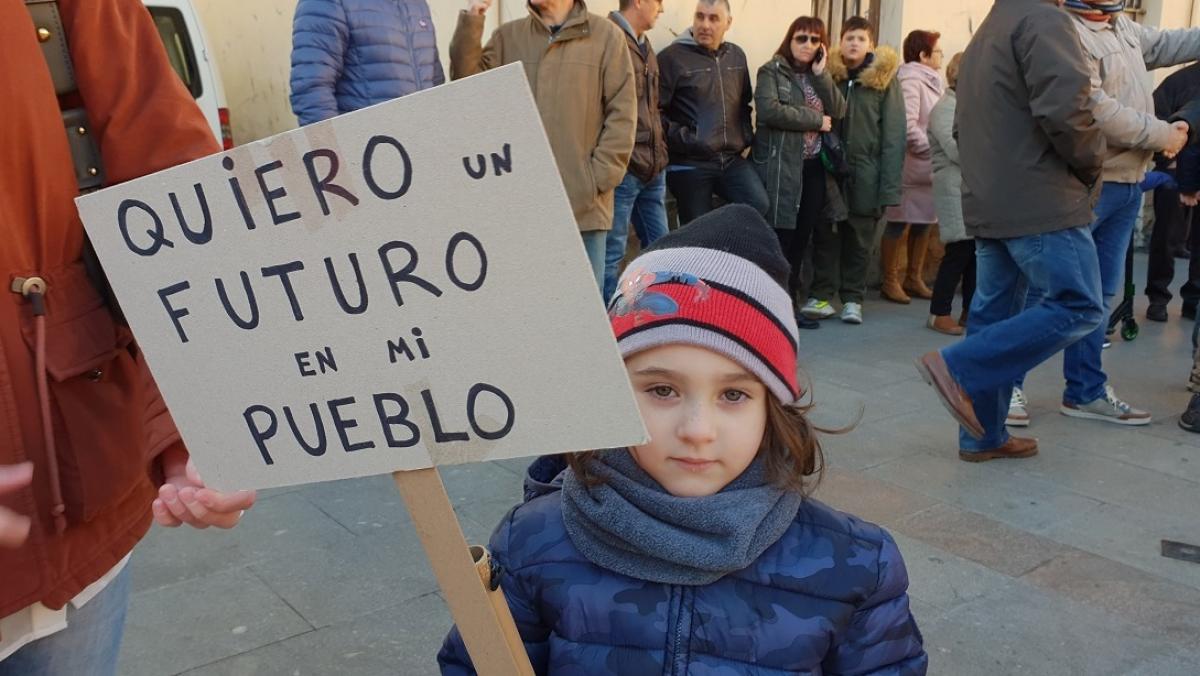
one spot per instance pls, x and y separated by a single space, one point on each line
350 54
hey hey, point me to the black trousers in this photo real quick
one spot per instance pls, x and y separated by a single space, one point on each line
736 182
794 242
958 264
1171 218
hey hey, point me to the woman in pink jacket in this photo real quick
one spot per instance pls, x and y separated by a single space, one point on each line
922 87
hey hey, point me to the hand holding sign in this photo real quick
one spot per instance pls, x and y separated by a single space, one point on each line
184 498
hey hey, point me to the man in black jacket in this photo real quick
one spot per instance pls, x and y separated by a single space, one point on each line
1172 218
705 97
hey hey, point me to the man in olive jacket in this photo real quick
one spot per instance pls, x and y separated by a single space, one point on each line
705 96
874 133
1031 155
578 66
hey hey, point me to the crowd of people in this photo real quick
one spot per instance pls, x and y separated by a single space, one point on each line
833 151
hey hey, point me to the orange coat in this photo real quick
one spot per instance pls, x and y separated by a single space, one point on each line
108 419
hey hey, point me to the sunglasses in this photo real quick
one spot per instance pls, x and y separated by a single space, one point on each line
801 39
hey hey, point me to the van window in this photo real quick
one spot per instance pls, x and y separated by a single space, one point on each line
178 43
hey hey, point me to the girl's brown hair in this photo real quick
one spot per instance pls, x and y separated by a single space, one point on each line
809 24
789 447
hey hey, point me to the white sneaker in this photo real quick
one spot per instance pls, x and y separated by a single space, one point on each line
1108 408
817 309
852 313
1018 413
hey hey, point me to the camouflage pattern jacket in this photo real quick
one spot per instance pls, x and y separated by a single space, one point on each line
828 598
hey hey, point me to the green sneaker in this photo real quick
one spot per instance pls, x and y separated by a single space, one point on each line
817 309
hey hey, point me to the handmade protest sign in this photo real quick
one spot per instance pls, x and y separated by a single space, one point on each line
396 288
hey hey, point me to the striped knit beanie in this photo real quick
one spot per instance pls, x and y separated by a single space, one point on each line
719 282
1095 10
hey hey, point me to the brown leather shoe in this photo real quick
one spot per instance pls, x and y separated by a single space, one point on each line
1015 447
944 324
935 372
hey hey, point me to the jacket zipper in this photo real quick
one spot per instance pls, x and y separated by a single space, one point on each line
724 114
653 140
412 52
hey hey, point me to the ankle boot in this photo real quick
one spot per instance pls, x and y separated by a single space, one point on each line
918 246
889 255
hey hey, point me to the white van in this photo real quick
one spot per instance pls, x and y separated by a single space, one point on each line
187 50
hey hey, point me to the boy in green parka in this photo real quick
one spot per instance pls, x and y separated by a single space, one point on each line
873 134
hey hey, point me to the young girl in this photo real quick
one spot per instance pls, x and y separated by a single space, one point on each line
699 552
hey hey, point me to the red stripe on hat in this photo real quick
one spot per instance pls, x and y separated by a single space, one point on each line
722 311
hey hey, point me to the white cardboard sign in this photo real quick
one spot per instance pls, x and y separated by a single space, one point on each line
395 288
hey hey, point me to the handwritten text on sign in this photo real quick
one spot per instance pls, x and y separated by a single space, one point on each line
395 288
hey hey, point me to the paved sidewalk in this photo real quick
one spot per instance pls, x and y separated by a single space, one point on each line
1049 565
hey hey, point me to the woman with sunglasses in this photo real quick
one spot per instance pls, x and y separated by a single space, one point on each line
797 104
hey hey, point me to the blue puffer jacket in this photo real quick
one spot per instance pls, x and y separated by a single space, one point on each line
828 598
350 54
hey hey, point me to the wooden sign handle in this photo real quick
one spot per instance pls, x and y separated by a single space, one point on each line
482 615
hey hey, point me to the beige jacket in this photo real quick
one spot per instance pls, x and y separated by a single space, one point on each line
582 80
1122 94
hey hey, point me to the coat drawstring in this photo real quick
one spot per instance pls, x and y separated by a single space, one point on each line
34 289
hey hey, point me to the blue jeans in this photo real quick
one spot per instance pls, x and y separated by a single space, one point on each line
1005 340
593 244
1116 214
644 205
1032 298
90 643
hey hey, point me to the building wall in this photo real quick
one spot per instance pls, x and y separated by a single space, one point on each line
251 39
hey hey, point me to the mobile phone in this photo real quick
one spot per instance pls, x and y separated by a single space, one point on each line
820 53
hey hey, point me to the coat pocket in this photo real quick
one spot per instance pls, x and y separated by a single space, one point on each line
94 399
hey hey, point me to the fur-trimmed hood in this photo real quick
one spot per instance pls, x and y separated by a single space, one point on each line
878 75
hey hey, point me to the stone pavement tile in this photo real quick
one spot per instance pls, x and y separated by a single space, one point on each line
335 584
360 505
481 482
1170 609
1019 501
175 628
837 406
980 539
1182 662
861 376
280 524
924 613
515 465
1110 481
873 443
1134 537
1027 631
943 580
482 494
402 639
1155 447
871 499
